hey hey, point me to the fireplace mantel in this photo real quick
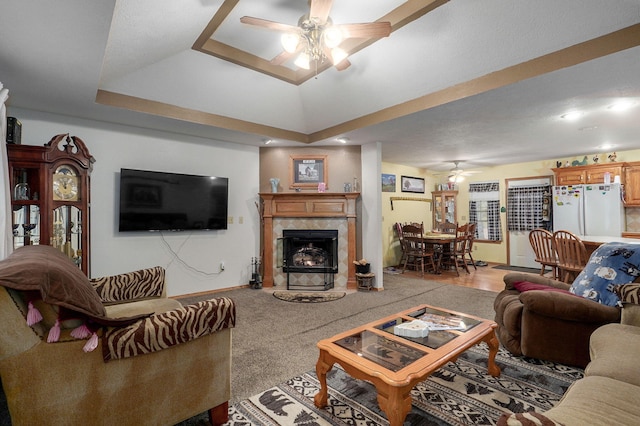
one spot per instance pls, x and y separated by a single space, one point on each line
312 205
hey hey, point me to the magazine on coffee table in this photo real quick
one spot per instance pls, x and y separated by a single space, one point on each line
439 322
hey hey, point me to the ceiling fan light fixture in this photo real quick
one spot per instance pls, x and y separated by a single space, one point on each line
621 106
456 178
302 61
338 55
332 37
290 42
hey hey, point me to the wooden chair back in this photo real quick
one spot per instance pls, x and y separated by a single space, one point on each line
544 248
572 255
416 250
447 227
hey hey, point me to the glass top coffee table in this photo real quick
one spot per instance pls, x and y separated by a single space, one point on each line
395 363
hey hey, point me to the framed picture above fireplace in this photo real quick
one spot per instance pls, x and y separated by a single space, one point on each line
307 171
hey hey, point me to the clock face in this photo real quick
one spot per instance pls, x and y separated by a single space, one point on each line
65 184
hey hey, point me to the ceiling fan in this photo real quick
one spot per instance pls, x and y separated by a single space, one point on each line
457 174
316 38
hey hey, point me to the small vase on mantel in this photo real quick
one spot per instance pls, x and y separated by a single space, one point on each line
274 184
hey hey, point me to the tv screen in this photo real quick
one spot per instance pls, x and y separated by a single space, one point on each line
159 201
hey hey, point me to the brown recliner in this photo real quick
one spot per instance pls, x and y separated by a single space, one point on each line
548 325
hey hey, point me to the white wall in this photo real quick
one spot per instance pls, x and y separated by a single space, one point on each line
371 209
191 259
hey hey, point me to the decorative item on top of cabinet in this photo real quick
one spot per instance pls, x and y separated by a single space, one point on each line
52 203
632 184
590 174
443 207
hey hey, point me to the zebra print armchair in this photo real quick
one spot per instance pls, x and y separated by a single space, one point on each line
153 361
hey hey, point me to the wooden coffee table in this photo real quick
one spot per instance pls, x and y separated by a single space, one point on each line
395 364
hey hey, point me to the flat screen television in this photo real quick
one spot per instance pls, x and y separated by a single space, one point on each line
159 201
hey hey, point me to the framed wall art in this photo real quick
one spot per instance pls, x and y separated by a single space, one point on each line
307 171
412 184
388 183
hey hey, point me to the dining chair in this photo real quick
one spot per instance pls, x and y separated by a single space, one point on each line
471 237
455 256
403 245
417 250
447 227
544 249
572 255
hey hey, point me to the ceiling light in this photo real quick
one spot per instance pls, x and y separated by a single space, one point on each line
606 146
571 116
332 37
290 42
456 178
268 141
338 55
302 61
343 140
621 105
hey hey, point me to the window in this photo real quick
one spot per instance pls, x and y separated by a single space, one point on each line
528 207
484 209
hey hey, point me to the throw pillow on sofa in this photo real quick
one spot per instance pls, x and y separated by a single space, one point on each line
610 265
523 286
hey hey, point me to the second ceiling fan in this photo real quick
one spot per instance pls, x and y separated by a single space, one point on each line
317 38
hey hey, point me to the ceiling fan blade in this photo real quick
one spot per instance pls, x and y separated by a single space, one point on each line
281 58
367 30
269 25
343 65
285 56
320 9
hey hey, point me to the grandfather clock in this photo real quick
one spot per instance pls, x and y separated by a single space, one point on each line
50 191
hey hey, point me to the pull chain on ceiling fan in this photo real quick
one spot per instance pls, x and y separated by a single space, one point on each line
316 38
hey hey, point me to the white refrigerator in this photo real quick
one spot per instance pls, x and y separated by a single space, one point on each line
589 209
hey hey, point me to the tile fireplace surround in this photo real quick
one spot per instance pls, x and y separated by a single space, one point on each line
299 210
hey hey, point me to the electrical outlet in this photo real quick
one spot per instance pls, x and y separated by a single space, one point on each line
222 266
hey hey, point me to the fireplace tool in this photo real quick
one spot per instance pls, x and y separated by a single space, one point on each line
256 279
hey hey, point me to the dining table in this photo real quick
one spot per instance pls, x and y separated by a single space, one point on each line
441 242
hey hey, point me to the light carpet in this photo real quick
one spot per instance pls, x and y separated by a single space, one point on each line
460 393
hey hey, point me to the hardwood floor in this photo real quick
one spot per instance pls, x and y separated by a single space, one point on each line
484 278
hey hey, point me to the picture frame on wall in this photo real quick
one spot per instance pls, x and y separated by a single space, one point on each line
412 184
307 171
388 182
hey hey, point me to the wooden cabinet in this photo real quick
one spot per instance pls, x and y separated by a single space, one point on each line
632 184
444 207
50 196
591 174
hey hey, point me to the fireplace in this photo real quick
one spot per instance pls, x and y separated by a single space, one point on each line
310 251
314 211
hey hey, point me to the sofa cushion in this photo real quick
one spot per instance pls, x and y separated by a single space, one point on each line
610 265
168 329
523 286
598 400
48 273
614 349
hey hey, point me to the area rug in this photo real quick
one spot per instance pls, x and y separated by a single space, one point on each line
460 393
519 269
308 296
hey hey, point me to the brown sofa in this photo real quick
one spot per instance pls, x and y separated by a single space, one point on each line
608 394
156 362
548 325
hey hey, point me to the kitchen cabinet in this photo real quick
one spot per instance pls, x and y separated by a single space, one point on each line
50 196
591 174
444 208
632 184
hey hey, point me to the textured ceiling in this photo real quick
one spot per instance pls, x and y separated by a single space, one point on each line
455 84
